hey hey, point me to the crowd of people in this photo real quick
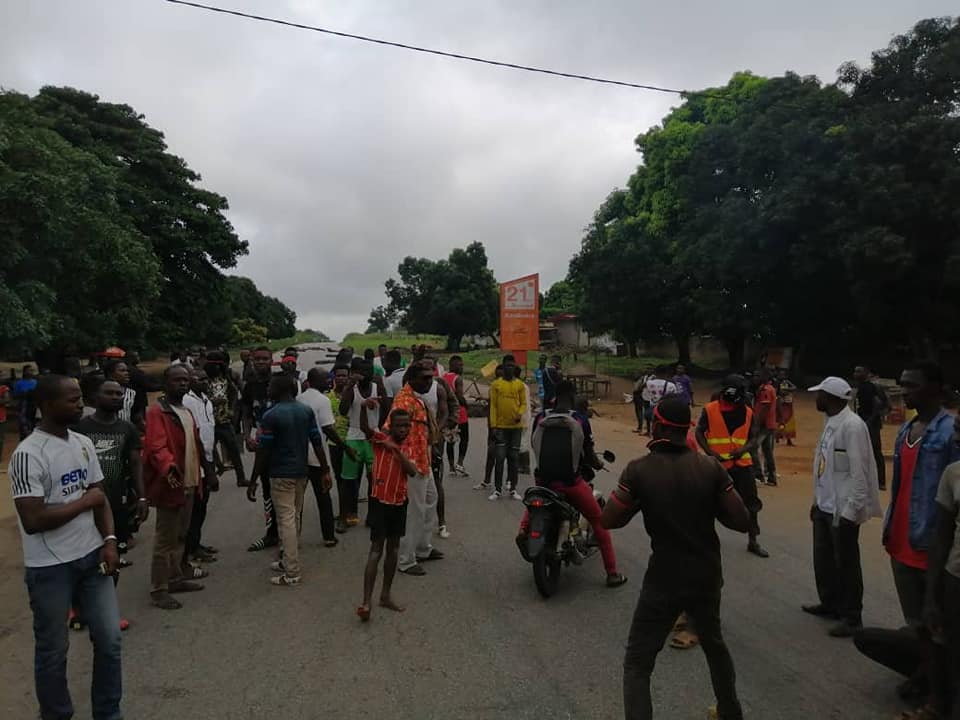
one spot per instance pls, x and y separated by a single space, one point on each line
380 426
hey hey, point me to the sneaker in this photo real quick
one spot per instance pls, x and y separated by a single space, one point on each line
442 532
483 486
285 580
461 471
277 566
495 495
514 495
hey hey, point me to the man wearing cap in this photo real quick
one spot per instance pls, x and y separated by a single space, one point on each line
681 495
727 431
846 495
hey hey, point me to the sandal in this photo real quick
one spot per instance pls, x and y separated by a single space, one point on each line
163 601
681 624
185 586
332 542
285 580
684 640
363 612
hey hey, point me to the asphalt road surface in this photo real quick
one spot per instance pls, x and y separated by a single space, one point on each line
476 641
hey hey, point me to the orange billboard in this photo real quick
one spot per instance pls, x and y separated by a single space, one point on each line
520 313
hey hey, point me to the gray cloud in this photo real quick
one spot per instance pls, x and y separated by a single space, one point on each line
340 158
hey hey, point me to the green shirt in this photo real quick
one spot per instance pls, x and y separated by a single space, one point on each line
341 422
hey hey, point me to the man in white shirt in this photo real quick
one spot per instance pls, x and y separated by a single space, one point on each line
69 550
201 408
314 397
393 374
845 497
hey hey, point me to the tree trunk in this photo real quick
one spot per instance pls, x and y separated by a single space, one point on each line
683 348
632 348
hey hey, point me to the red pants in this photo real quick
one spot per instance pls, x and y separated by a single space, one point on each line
580 495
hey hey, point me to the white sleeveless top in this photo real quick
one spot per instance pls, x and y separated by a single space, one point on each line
430 399
373 416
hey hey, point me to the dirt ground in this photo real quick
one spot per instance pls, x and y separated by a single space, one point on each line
796 460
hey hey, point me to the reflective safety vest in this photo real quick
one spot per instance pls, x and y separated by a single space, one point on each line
722 441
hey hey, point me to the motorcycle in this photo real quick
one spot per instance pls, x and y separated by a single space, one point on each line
557 534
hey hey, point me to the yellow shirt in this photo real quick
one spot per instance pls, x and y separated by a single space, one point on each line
508 400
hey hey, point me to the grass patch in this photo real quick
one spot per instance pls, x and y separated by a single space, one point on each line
473 360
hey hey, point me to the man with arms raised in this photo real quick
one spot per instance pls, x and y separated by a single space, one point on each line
681 495
69 550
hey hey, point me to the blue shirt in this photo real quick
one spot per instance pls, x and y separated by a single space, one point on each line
937 450
287 429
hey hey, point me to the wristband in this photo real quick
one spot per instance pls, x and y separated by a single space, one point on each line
108 538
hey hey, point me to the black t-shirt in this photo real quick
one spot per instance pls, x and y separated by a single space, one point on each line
869 397
113 443
255 401
679 491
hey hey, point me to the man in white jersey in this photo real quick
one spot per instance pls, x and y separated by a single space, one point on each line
363 393
69 550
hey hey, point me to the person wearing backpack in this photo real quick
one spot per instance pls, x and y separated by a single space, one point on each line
563 447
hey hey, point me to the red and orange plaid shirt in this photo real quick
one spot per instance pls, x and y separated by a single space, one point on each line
417 445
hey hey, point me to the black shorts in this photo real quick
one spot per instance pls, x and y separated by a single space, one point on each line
386 521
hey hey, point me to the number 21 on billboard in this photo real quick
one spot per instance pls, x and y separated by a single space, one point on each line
519 313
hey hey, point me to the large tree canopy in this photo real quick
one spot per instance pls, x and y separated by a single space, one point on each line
107 237
453 297
792 212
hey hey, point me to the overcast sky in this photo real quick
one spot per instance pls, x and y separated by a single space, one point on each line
339 158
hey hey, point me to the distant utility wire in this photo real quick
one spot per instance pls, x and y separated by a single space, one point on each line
456 56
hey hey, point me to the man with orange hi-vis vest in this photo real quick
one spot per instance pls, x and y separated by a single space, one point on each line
727 431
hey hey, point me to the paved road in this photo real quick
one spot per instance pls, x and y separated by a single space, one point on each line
476 641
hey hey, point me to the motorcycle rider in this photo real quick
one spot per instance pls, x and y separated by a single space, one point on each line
579 493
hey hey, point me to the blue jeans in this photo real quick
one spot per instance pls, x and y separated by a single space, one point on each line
51 591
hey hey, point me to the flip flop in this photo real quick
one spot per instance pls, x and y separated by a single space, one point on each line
684 640
165 602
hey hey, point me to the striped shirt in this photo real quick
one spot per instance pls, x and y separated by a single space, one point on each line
389 479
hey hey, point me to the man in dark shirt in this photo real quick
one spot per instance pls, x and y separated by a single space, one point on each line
681 494
117 443
871 404
253 404
286 430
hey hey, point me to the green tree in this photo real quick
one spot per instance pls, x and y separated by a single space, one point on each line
244 300
380 320
77 273
453 297
561 297
158 193
245 333
901 176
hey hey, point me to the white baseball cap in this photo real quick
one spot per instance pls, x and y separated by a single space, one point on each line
838 387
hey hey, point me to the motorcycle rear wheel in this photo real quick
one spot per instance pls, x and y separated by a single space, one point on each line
546 573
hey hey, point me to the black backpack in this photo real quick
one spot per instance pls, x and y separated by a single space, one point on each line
557 444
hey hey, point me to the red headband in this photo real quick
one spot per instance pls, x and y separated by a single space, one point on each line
663 421
289 358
